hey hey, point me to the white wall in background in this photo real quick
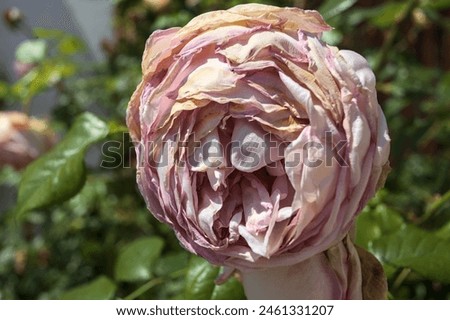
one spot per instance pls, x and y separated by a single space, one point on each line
93 18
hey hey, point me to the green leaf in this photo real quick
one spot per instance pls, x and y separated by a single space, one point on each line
422 251
60 174
374 223
70 45
102 288
230 290
444 232
332 8
4 89
437 4
117 127
9 176
178 18
171 263
45 33
200 283
437 212
136 260
31 51
389 13
47 74
332 37
200 279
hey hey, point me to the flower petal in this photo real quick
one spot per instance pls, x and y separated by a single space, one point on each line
253 148
334 274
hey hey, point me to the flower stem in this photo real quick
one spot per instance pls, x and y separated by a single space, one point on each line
401 277
144 288
152 283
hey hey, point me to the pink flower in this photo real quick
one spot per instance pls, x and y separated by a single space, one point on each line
258 143
22 139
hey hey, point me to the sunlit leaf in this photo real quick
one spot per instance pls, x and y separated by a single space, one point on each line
421 251
444 232
200 283
171 263
179 18
101 288
200 279
60 174
437 4
389 13
332 37
4 88
48 75
374 223
136 260
230 290
45 33
9 176
117 127
70 45
41 78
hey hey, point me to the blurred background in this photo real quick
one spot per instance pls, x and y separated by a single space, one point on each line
59 59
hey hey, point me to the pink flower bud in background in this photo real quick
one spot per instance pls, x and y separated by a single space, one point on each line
259 144
23 139
22 68
13 17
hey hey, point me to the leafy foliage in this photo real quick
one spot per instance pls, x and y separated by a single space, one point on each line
81 230
135 261
60 174
101 288
399 244
200 283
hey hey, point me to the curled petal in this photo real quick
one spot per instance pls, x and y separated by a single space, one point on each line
251 151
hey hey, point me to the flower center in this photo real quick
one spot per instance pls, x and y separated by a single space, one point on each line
242 190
